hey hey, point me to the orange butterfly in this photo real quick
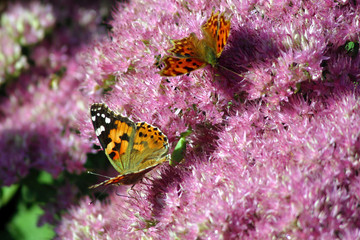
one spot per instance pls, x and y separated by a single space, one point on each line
190 53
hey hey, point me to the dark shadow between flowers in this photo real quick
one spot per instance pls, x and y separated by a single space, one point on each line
340 74
246 48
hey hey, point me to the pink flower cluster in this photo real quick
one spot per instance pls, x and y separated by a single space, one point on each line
273 154
21 26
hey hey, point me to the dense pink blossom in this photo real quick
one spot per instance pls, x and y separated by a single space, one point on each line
28 23
11 60
274 151
21 25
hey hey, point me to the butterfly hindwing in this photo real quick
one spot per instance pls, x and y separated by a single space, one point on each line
149 143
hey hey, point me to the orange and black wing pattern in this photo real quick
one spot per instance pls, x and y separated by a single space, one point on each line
132 149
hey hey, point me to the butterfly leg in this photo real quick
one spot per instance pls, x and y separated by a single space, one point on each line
121 195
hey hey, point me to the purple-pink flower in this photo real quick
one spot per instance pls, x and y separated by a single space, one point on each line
28 23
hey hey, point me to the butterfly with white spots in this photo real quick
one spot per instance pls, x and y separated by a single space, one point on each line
132 148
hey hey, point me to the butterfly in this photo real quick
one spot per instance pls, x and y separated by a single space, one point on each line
132 148
190 53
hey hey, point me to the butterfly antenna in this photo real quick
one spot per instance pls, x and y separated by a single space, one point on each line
121 195
97 174
102 192
227 69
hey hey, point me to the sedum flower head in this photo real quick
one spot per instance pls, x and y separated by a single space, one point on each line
12 62
28 24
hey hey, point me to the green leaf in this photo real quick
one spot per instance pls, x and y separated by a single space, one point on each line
179 151
7 193
24 224
352 48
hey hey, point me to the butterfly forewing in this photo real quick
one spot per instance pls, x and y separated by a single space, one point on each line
177 66
115 134
222 35
211 26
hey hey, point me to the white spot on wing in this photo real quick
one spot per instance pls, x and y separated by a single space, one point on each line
98 114
107 120
93 118
103 115
99 130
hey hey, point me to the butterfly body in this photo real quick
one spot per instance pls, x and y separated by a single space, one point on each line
132 148
209 54
190 53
